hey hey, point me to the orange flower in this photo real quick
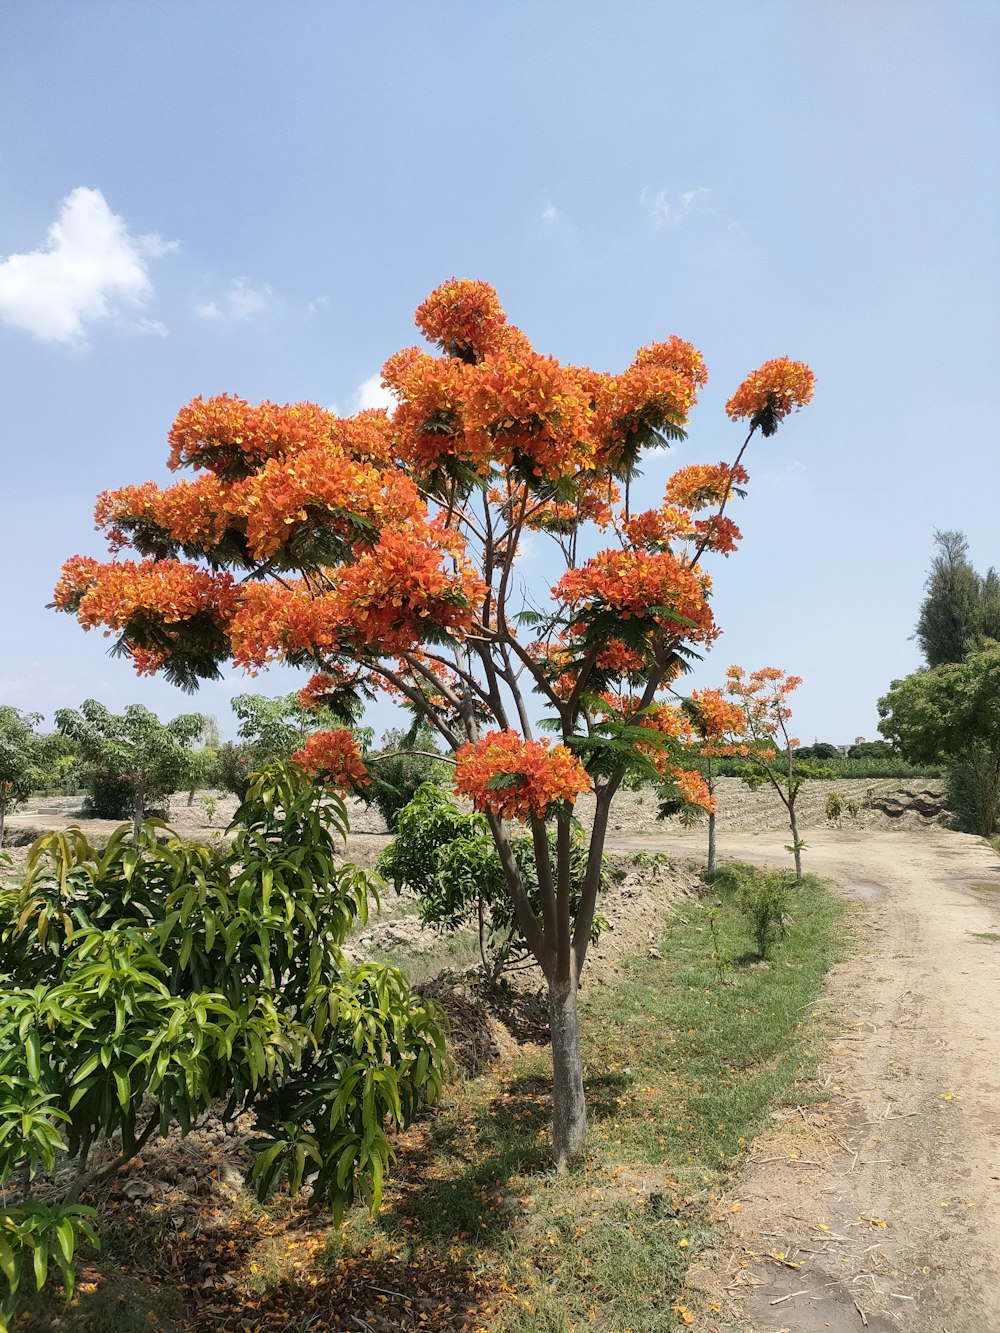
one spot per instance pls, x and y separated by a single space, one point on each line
334 757
232 438
770 393
639 584
518 779
527 409
692 787
702 485
463 317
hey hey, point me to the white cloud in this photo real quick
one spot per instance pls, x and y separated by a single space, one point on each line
550 213
88 268
242 300
372 393
668 211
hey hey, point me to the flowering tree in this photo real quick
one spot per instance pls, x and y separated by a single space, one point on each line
719 730
381 550
763 698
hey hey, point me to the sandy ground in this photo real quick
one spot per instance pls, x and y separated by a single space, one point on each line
881 1207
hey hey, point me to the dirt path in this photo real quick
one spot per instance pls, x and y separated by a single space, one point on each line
881 1209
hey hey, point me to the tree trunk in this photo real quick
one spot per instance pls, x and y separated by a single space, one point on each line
711 842
569 1110
796 845
3 819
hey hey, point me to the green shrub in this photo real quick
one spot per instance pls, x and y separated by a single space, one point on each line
763 898
449 858
973 790
163 978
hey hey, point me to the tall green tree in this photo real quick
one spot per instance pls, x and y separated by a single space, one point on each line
951 714
22 758
959 606
145 758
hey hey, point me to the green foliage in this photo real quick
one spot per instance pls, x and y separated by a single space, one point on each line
822 750
763 898
231 770
131 758
162 978
396 772
960 605
24 758
276 728
887 764
449 859
951 715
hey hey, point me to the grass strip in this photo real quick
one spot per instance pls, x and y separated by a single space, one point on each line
686 1054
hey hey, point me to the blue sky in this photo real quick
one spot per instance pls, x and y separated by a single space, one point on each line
253 198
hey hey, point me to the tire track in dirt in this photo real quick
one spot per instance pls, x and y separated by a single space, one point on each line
882 1208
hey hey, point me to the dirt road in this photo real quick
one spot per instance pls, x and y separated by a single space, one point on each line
881 1208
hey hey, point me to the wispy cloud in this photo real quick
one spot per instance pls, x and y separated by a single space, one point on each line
550 213
242 300
89 268
667 210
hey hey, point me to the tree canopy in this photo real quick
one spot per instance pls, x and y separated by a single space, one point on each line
960 605
22 758
147 758
951 714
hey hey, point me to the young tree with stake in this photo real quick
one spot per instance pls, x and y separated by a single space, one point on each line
763 698
719 731
380 550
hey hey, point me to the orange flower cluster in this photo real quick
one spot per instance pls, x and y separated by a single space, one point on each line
692 786
719 724
636 583
428 422
148 603
777 387
655 529
762 697
231 437
320 688
191 514
530 407
617 659
381 603
539 776
168 591
718 533
649 394
320 485
464 317
678 355
703 484
334 757
394 586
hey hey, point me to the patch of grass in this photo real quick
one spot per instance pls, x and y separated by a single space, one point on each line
682 1070
995 843
990 935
